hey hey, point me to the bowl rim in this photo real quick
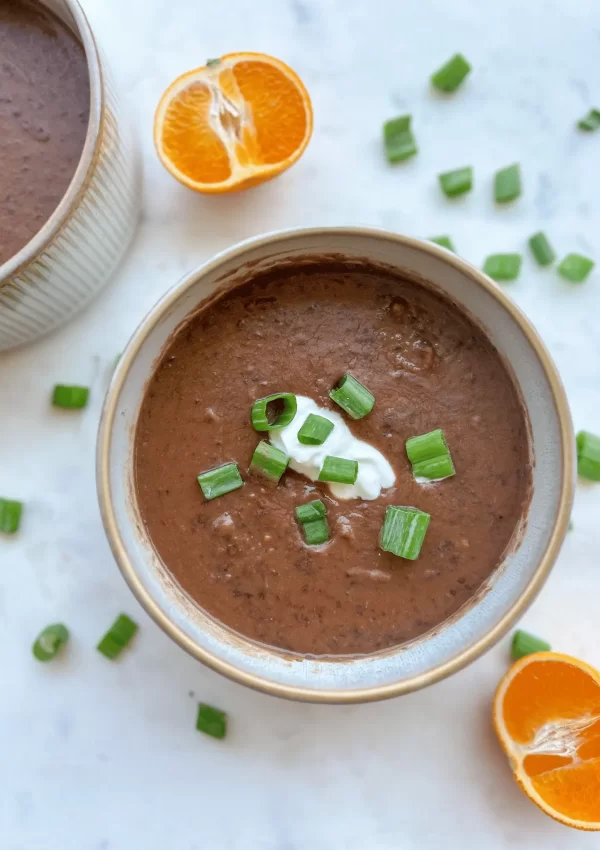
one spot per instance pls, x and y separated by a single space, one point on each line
374 692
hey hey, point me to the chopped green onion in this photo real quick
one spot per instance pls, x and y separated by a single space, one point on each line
220 480
70 397
315 430
316 532
339 470
430 456
398 139
211 62
571 525
211 721
451 75
353 397
456 182
588 455
403 531
117 637
541 249
503 266
524 644
591 121
260 413
311 511
10 516
444 241
575 267
507 183
268 460
49 642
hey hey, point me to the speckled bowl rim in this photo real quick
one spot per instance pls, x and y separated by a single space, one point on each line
377 692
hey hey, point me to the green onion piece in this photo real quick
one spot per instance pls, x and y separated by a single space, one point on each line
503 266
353 397
316 532
451 75
211 62
444 241
339 470
117 637
70 397
588 455
507 183
575 267
541 249
260 417
211 721
311 511
398 139
49 642
268 460
571 525
430 456
403 531
10 516
591 121
220 480
315 430
524 644
456 182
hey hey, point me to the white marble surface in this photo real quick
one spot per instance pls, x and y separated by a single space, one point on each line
96 756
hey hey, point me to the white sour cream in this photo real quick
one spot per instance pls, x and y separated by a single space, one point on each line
374 471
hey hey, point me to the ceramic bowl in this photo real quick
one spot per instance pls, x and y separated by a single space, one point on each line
453 644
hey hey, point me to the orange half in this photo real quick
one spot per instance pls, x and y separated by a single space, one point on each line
547 717
236 122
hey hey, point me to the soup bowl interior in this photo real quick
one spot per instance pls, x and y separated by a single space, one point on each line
454 643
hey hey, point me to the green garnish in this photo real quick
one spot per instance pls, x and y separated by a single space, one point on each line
311 511
353 397
430 456
503 266
220 480
315 430
260 413
117 637
444 241
339 470
456 182
50 641
451 75
588 455
403 531
575 268
315 532
70 397
10 516
211 721
211 62
398 139
268 460
524 644
591 121
507 183
541 249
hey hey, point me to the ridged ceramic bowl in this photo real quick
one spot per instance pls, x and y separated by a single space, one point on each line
69 260
454 643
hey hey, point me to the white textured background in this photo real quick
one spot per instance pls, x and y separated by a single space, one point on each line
95 756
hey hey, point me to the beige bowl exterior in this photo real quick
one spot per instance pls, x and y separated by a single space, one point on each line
74 254
454 643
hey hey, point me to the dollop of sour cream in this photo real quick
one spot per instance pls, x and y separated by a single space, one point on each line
374 471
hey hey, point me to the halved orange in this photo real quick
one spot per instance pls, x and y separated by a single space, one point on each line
237 121
547 717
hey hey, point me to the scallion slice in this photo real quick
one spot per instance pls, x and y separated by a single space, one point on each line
211 721
575 268
10 516
50 641
430 456
316 532
70 397
210 63
315 430
456 182
117 637
444 241
450 76
260 413
403 531
311 511
591 121
353 397
220 480
267 460
339 470
503 266
398 139
541 249
507 183
525 644
588 455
